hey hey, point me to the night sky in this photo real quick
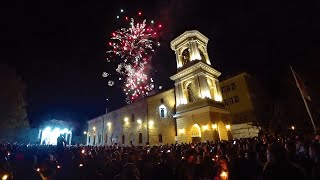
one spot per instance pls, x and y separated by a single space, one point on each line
59 47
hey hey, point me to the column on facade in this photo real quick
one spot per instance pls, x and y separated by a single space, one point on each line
214 87
194 51
183 97
205 53
178 58
205 91
218 96
177 93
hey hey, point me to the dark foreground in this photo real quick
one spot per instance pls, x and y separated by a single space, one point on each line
265 157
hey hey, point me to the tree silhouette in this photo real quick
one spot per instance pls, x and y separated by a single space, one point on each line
13 112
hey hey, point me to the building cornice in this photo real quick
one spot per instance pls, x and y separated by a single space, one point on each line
199 65
185 35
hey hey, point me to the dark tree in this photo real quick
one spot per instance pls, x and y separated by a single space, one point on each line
13 112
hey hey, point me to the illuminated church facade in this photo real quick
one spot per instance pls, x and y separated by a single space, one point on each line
192 111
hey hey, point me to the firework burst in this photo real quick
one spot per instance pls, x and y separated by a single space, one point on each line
131 50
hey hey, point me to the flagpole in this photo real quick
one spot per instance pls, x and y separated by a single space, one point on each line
305 102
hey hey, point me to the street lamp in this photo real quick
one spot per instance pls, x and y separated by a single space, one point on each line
85 132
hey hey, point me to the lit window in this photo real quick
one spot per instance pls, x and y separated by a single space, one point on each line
162 111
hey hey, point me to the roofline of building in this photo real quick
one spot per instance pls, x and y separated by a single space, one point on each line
234 75
140 100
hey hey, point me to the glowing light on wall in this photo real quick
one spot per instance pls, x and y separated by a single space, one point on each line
206 94
214 126
205 127
126 119
228 127
151 123
218 97
139 121
182 131
109 124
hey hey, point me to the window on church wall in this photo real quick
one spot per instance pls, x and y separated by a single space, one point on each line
89 140
222 89
123 139
236 99
228 88
185 56
94 139
233 86
230 100
106 139
132 117
99 138
163 111
140 138
160 138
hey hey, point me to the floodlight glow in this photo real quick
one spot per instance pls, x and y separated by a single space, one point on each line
109 124
50 136
47 129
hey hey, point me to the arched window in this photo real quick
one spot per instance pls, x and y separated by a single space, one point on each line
89 140
191 96
94 139
163 111
140 138
160 138
123 139
185 56
99 140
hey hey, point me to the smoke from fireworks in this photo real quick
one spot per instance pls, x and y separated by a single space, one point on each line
132 49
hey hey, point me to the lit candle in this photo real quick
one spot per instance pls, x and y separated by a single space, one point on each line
224 175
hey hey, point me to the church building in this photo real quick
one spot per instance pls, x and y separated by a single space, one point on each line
192 111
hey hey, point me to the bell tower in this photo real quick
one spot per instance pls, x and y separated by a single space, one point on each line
198 96
195 79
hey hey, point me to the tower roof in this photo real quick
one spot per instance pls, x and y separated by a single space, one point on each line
188 34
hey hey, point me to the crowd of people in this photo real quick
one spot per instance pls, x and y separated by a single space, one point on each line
265 157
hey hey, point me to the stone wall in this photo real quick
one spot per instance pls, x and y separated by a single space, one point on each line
162 126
